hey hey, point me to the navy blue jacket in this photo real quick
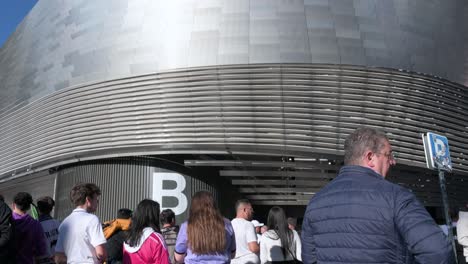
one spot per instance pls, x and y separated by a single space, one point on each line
360 217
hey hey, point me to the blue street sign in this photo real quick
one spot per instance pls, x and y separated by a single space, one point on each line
437 152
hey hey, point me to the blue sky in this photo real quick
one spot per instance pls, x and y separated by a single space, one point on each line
12 13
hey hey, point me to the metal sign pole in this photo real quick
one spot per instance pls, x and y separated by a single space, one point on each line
448 219
437 152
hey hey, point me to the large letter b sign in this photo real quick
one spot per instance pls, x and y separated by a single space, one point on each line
159 192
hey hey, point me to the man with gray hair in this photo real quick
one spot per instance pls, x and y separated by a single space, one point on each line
360 217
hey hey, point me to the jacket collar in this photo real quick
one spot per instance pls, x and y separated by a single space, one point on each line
360 170
147 231
44 217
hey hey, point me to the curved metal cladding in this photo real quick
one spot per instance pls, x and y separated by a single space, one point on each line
66 43
124 183
285 110
83 80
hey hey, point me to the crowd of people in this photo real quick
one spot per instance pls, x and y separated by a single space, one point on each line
27 239
359 217
145 235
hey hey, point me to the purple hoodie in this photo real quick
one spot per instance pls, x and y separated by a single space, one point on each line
30 239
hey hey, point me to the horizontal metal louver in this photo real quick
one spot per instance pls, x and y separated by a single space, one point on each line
296 110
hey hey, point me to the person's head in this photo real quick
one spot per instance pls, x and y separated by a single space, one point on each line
22 201
263 229
244 209
86 196
257 226
369 148
124 213
205 228
145 215
167 217
45 205
292 223
277 222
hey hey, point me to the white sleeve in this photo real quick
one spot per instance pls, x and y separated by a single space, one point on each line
297 240
263 250
250 234
462 231
96 236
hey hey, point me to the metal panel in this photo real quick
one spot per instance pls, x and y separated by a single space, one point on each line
40 184
123 182
122 186
87 80
68 43
298 110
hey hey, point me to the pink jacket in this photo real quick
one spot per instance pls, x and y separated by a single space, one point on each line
151 249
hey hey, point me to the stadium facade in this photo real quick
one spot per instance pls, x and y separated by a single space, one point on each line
244 98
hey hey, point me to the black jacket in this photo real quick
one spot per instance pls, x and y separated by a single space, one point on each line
7 243
114 247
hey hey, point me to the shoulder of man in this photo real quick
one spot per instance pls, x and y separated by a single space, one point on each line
4 207
5 211
85 218
240 221
169 231
243 224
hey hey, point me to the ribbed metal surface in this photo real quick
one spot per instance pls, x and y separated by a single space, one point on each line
122 186
425 185
296 110
65 43
124 183
86 80
38 185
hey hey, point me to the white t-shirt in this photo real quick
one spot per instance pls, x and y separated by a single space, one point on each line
79 234
245 233
462 232
270 247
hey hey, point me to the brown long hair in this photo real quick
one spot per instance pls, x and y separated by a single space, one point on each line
205 230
